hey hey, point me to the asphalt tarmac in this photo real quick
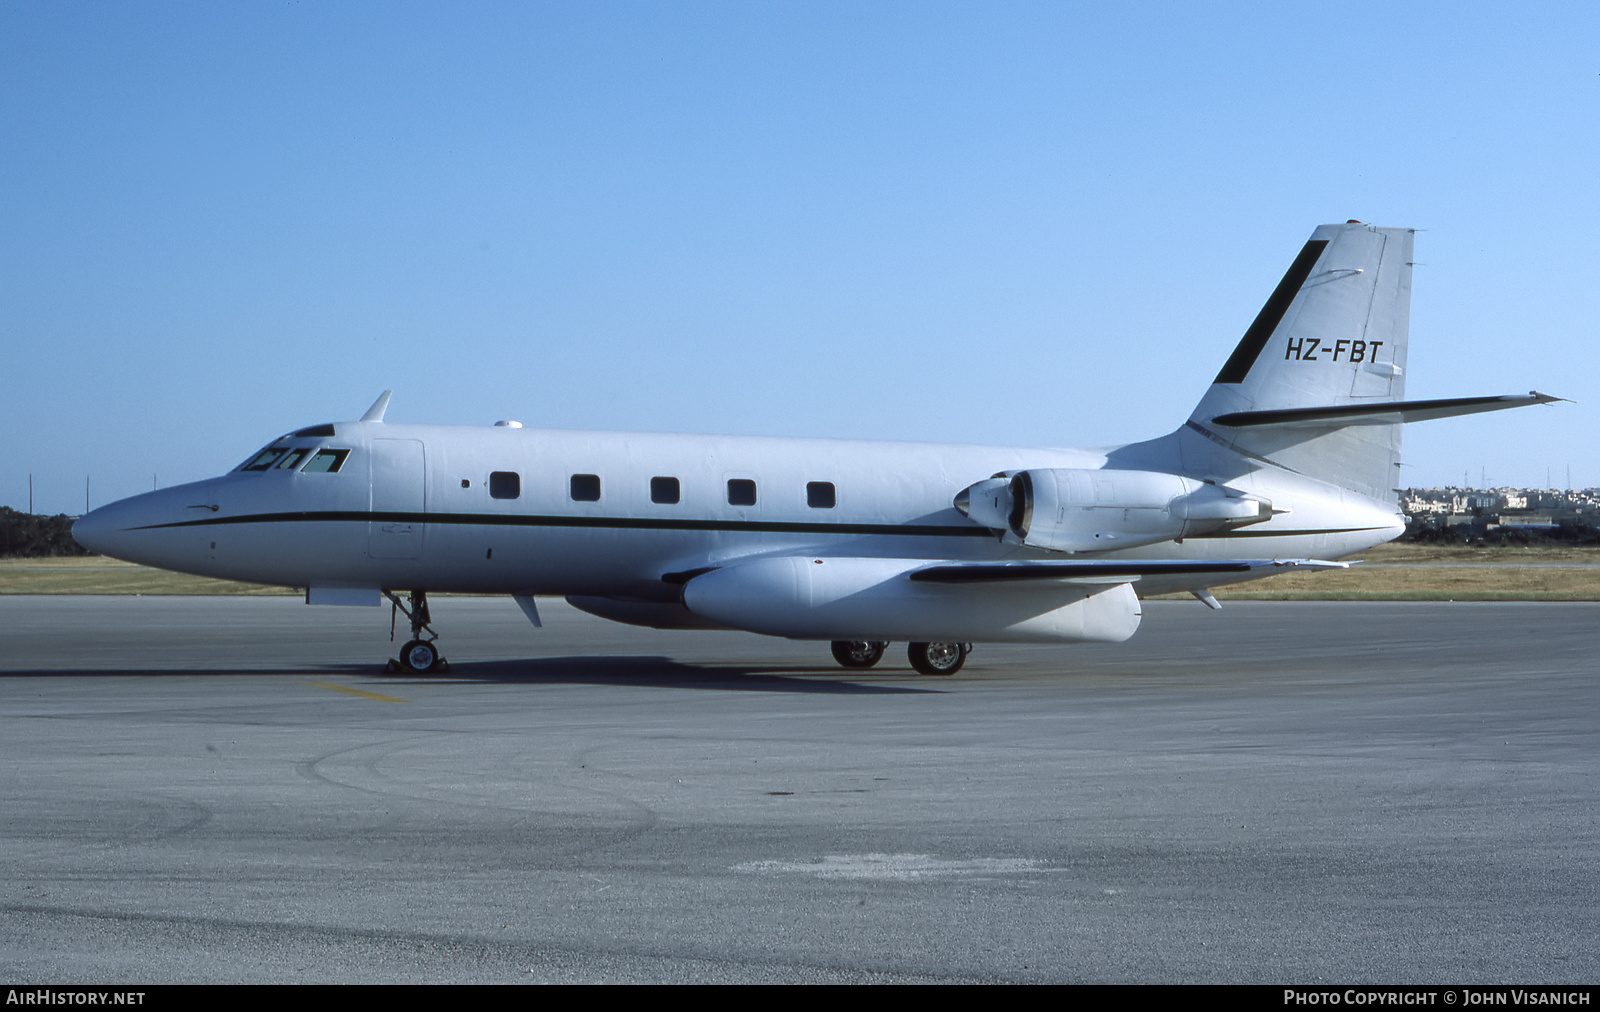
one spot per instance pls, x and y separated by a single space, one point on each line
230 790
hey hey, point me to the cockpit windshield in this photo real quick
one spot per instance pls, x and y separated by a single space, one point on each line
279 456
264 459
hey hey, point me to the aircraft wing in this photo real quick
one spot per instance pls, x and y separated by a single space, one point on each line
922 600
1104 570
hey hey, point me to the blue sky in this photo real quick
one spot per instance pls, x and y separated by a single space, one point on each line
1038 224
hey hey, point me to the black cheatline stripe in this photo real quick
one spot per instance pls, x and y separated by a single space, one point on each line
621 523
1284 534
651 524
1244 356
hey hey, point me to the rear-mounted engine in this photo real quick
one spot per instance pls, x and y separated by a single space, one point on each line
1082 510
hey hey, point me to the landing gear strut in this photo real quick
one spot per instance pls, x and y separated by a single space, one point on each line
419 654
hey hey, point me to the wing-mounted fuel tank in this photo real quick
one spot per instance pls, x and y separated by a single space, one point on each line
828 598
1066 509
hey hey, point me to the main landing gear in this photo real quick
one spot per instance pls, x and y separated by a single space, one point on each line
938 658
419 654
858 653
927 658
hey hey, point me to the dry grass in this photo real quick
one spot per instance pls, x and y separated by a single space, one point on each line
95 574
1390 572
1481 554
1440 573
1425 583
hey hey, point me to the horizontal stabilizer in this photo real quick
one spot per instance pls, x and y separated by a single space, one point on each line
1383 413
1101 570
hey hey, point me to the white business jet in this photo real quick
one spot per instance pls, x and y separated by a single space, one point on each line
1290 459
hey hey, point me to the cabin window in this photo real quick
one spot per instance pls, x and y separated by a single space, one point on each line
326 462
664 490
586 488
291 460
264 459
820 495
741 492
505 485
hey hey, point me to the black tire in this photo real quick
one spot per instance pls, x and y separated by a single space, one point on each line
858 653
419 655
938 658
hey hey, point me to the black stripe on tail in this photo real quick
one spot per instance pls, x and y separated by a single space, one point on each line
1244 356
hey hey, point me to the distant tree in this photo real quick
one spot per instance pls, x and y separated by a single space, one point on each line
1433 534
24 535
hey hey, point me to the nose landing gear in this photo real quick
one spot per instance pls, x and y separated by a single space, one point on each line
419 654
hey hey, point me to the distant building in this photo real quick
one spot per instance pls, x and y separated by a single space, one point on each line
1502 515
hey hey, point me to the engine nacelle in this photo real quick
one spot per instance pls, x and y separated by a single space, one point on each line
813 598
1067 509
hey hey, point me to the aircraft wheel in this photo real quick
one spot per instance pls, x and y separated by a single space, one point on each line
419 655
938 658
858 653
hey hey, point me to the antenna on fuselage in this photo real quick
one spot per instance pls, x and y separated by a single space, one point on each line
379 406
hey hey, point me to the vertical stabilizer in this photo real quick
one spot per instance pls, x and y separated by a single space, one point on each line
1332 334
379 406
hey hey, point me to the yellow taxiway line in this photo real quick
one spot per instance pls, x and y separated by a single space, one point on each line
357 692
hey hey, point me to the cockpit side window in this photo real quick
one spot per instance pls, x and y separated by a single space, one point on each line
326 462
292 459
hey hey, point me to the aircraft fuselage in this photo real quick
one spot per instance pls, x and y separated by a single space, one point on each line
493 510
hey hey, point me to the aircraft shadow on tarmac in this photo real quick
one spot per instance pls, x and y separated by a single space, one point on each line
661 672
641 671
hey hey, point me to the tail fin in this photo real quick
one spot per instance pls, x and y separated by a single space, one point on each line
1317 385
1332 336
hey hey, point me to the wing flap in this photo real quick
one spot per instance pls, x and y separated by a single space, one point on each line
1103 570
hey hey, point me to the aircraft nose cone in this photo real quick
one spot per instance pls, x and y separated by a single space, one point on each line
126 529
97 530
154 528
